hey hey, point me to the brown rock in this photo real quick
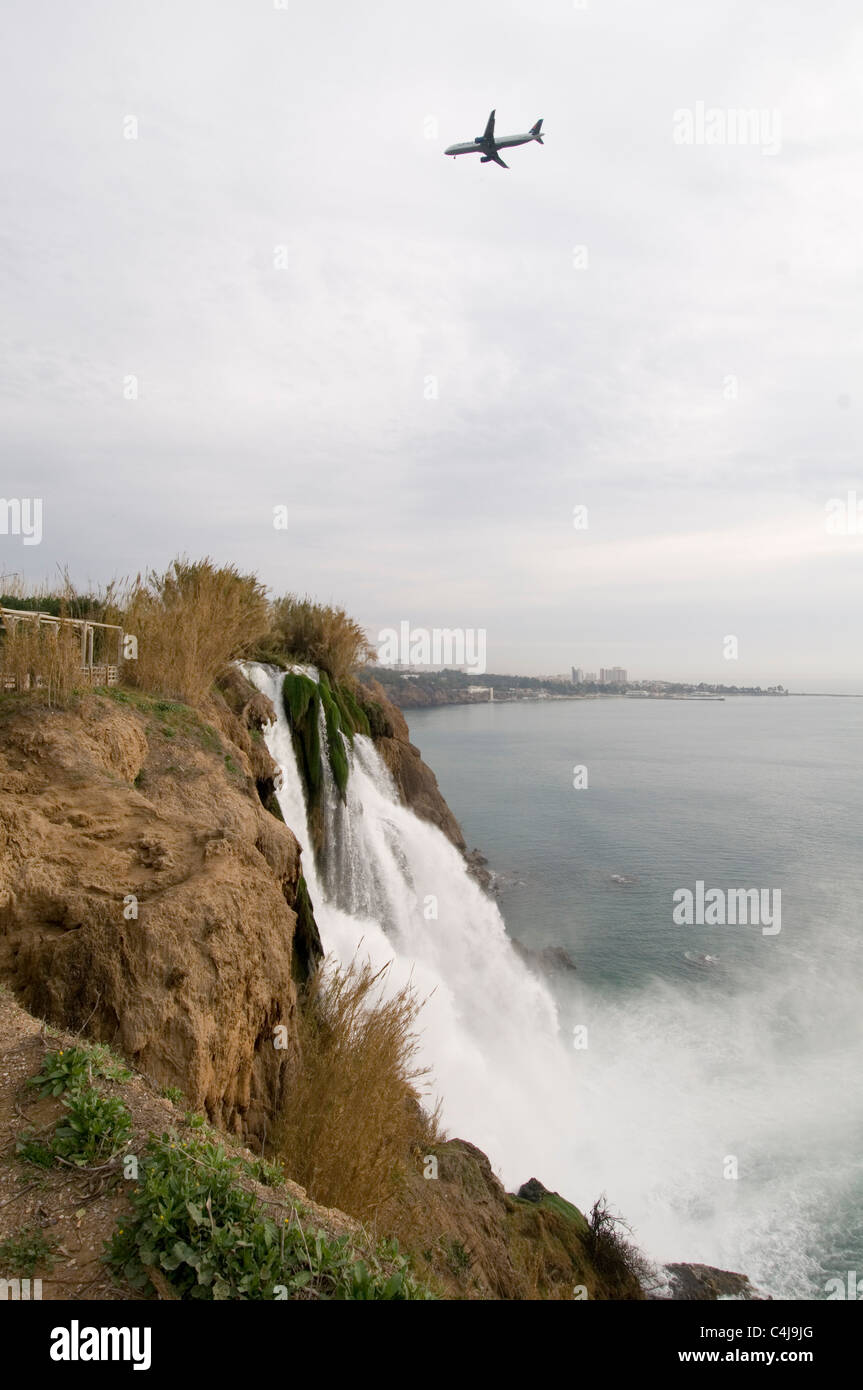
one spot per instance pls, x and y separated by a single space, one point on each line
416 783
704 1282
192 988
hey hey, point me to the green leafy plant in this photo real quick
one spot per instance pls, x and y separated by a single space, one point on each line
24 1252
72 1067
195 1223
95 1128
266 1172
35 1151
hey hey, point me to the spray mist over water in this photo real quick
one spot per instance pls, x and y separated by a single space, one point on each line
673 1083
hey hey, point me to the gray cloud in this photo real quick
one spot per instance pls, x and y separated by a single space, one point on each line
282 258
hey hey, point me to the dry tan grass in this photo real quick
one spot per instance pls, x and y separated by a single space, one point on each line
99 602
45 660
352 1116
317 633
196 618
15 586
190 623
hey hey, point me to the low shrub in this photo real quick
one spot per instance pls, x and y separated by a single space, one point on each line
71 1067
616 1260
195 1225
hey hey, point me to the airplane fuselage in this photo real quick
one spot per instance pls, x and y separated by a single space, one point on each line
480 146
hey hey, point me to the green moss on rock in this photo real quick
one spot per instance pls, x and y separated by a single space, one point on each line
308 950
344 717
301 700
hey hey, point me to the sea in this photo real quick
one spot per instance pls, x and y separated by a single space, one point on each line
714 1088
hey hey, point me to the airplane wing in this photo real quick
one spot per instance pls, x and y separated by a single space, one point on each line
489 130
497 159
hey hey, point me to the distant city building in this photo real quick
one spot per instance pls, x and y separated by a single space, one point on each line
577 675
612 675
590 678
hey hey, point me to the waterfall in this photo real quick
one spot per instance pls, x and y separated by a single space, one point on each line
392 888
647 1111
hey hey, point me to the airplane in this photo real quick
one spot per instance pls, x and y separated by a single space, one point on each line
488 144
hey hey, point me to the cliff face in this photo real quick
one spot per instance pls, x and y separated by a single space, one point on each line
147 896
149 899
416 783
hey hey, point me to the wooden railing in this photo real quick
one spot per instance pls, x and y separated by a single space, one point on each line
92 672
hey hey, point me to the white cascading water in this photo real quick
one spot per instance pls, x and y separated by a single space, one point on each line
488 1027
642 1114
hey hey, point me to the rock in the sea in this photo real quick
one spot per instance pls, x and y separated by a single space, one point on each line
478 867
551 960
703 1282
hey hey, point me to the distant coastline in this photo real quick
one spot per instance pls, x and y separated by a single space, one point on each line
429 689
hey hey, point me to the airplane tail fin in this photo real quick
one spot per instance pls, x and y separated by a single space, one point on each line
535 131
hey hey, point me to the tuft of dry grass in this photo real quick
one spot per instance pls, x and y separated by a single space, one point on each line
316 633
190 623
45 660
352 1114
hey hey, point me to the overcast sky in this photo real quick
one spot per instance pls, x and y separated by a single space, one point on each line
289 268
